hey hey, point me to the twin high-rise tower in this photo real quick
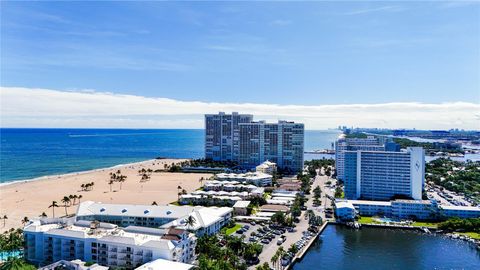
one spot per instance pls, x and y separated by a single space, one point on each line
236 137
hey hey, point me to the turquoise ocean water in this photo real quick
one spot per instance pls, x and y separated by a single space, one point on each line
31 153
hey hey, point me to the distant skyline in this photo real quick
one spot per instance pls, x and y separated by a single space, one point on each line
163 64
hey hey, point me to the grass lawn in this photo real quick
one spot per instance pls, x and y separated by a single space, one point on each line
367 220
425 224
233 229
471 234
175 203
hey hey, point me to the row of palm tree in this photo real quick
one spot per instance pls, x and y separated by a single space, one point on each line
276 258
143 171
116 177
181 191
87 186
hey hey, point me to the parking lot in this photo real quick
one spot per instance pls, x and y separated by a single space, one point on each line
264 234
447 197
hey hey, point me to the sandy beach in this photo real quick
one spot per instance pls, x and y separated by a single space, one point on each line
31 198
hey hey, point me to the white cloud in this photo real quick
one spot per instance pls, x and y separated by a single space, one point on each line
281 22
28 107
378 9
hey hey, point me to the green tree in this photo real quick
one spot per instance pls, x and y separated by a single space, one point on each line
14 263
66 201
53 205
190 222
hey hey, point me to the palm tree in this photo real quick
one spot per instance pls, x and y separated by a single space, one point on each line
43 215
190 221
79 198
179 188
145 177
121 179
16 263
309 214
71 199
4 219
53 205
201 180
110 183
65 201
274 259
281 252
75 197
25 220
82 186
154 203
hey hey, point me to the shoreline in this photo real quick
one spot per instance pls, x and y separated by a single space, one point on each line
53 176
29 198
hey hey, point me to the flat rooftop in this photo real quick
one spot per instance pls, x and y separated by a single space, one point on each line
164 264
139 236
89 208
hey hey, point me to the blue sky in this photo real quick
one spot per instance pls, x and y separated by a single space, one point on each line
287 53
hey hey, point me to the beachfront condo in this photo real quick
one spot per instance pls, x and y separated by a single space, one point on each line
383 175
370 143
221 135
51 240
236 137
281 143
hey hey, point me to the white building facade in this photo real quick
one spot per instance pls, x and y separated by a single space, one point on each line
344 210
382 175
255 178
156 216
221 135
267 167
413 209
281 143
370 143
51 240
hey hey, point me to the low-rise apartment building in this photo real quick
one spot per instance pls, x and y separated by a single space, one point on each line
267 167
154 216
50 240
413 209
255 178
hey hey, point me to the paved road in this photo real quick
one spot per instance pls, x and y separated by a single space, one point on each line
270 249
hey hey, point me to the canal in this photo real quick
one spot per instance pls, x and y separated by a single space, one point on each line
341 248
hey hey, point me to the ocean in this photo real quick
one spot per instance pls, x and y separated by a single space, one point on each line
32 153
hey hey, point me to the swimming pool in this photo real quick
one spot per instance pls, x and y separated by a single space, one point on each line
4 255
385 219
